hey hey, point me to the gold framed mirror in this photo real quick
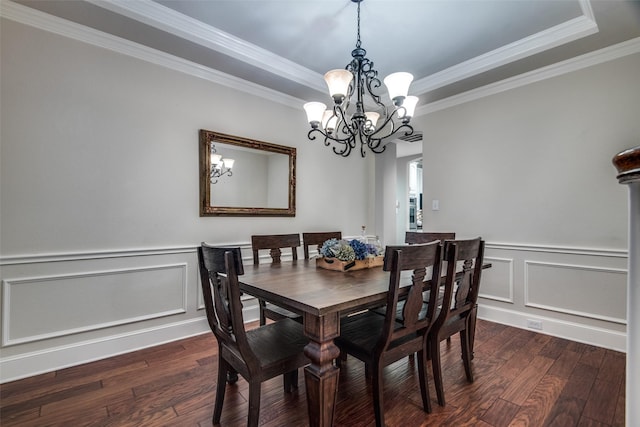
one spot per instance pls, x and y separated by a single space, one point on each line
245 177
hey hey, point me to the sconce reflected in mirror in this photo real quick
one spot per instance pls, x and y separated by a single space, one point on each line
219 166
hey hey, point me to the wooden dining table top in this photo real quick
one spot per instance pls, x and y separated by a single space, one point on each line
302 286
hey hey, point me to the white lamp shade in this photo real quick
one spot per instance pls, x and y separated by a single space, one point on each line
216 159
372 117
398 85
228 163
331 124
314 110
325 118
338 82
409 106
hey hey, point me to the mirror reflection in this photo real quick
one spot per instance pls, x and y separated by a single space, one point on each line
257 178
240 176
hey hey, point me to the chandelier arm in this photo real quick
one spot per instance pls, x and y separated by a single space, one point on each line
341 146
375 146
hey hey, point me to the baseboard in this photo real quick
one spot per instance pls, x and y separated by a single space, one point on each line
39 362
51 359
599 337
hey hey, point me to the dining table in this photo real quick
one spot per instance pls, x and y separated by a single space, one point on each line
322 296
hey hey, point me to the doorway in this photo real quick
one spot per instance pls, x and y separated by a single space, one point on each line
415 195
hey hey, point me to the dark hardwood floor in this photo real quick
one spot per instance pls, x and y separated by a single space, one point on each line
521 379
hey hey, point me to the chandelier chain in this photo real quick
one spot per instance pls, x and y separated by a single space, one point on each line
358 43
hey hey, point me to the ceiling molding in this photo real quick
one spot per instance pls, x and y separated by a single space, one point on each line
566 32
46 22
606 54
43 21
178 24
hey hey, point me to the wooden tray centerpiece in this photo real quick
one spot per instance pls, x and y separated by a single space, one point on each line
356 264
344 255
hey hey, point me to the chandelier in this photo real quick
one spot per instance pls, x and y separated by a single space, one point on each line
219 166
347 123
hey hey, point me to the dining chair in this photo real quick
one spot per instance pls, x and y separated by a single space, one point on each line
460 308
381 340
317 239
413 237
419 237
275 243
257 354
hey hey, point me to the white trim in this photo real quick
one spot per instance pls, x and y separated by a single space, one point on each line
245 246
592 335
566 32
43 21
570 250
185 27
54 358
606 54
113 253
509 299
6 297
557 309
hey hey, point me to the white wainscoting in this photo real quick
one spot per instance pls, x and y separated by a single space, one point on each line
62 310
35 308
574 293
560 287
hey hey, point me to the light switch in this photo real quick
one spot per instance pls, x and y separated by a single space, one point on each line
435 205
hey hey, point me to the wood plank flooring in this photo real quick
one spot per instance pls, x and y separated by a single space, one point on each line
521 379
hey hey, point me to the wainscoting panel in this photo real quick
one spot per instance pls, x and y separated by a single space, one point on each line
61 310
38 308
497 281
581 290
570 292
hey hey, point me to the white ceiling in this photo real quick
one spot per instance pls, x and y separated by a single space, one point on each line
450 46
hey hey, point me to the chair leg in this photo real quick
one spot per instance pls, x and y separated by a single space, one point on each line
221 386
290 381
367 371
466 353
377 390
254 404
340 360
471 327
437 370
424 381
263 318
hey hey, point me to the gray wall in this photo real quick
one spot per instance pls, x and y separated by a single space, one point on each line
530 171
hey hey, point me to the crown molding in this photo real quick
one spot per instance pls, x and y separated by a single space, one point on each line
43 21
46 22
610 53
170 21
560 34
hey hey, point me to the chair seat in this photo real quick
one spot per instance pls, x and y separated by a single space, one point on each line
277 341
276 312
356 334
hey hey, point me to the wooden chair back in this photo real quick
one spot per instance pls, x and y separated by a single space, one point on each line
318 238
219 279
416 237
469 254
417 259
275 243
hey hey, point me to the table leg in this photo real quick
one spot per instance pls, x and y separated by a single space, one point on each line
321 376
